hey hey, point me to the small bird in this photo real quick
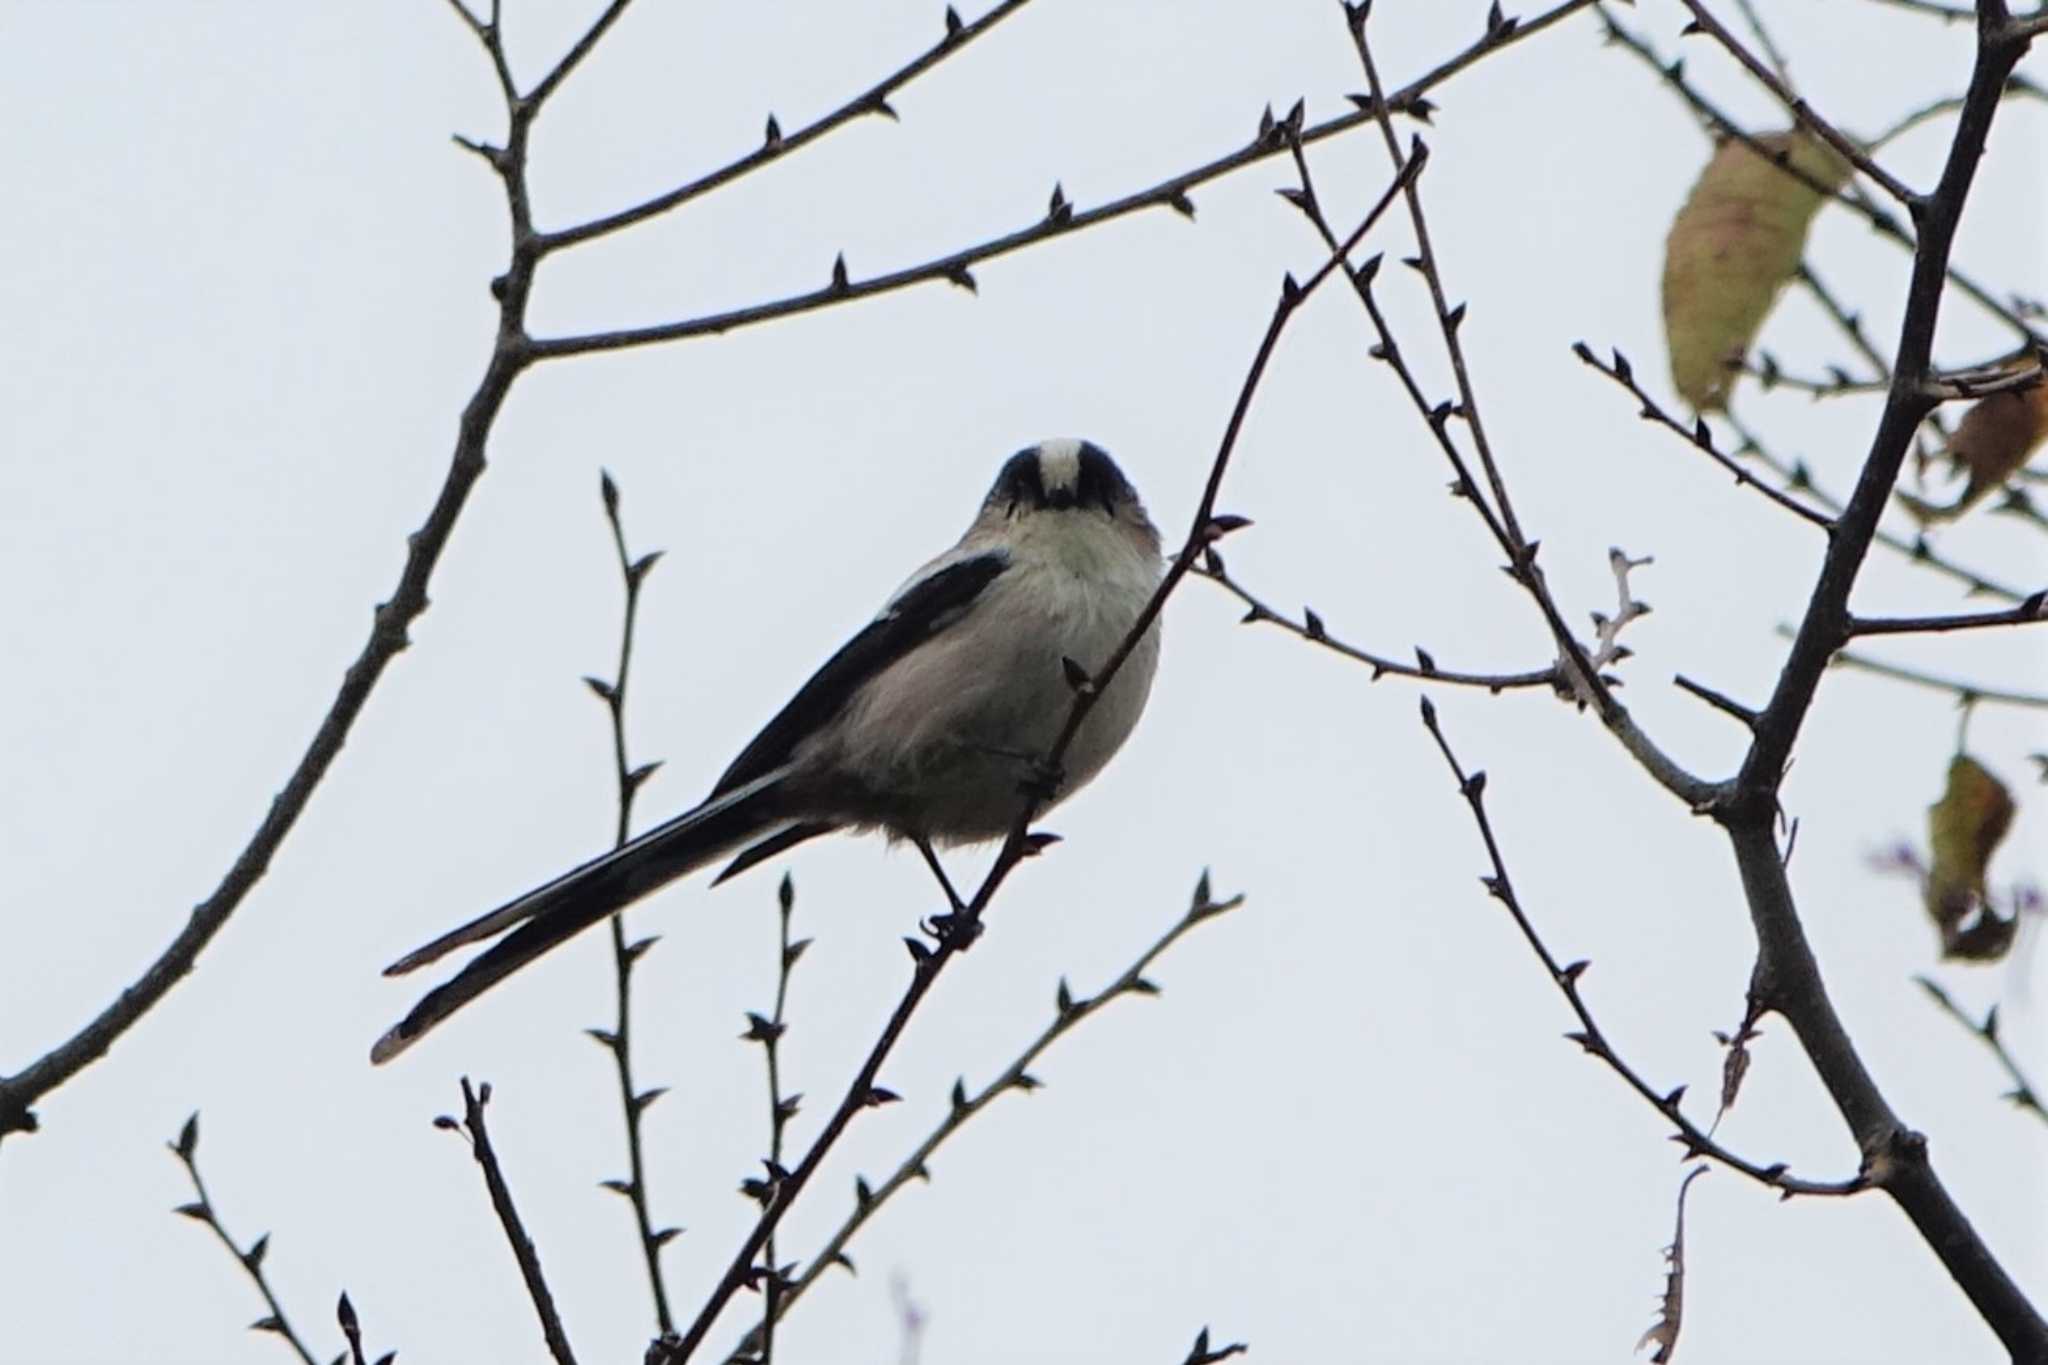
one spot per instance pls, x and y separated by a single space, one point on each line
927 726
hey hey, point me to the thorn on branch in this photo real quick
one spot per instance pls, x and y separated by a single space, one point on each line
1203 1353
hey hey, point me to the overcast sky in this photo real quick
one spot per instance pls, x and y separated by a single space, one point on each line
245 296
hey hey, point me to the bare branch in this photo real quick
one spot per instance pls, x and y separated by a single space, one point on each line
1935 109
576 53
1965 693
1017 1077
618 1040
955 267
472 1123
2029 612
1850 322
768 1033
1948 14
1579 671
1310 628
2022 1093
1700 435
1696 1141
1917 549
1787 981
1772 52
873 100
1719 701
1822 630
1850 150
185 1147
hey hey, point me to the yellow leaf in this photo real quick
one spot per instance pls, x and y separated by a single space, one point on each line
1732 247
1963 830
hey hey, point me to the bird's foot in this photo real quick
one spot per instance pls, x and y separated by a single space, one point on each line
1042 780
957 931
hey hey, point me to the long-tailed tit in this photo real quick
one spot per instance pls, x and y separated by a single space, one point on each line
924 726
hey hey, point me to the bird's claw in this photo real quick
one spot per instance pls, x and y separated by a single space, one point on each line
1042 780
956 931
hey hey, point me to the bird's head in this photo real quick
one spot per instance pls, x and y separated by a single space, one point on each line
1067 478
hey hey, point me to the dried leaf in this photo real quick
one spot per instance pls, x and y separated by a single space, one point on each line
1964 828
1732 247
1734 1067
1992 441
1671 1314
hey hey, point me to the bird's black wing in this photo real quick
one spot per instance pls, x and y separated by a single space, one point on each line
924 608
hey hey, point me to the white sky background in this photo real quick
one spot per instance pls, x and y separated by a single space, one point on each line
244 292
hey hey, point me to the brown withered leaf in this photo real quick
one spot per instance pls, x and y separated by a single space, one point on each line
1733 246
1964 828
1671 1311
1735 1065
1992 441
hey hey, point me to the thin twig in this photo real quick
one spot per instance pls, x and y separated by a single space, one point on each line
1311 629
782 1108
2022 1093
1202 1353
1700 435
1448 324
578 51
1779 64
778 144
1839 383
1849 321
352 1329
1696 1141
1584 677
1718 700
472 1123
1798 477
1965 692
201 1210
618 1040
1849 149
1068 1012
1061 218
2027 613
1948 14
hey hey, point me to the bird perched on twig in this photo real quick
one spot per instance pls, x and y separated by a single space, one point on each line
928 725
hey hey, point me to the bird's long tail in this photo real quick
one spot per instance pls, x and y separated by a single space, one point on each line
577 899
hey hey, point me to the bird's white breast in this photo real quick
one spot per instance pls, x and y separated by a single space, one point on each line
957 725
